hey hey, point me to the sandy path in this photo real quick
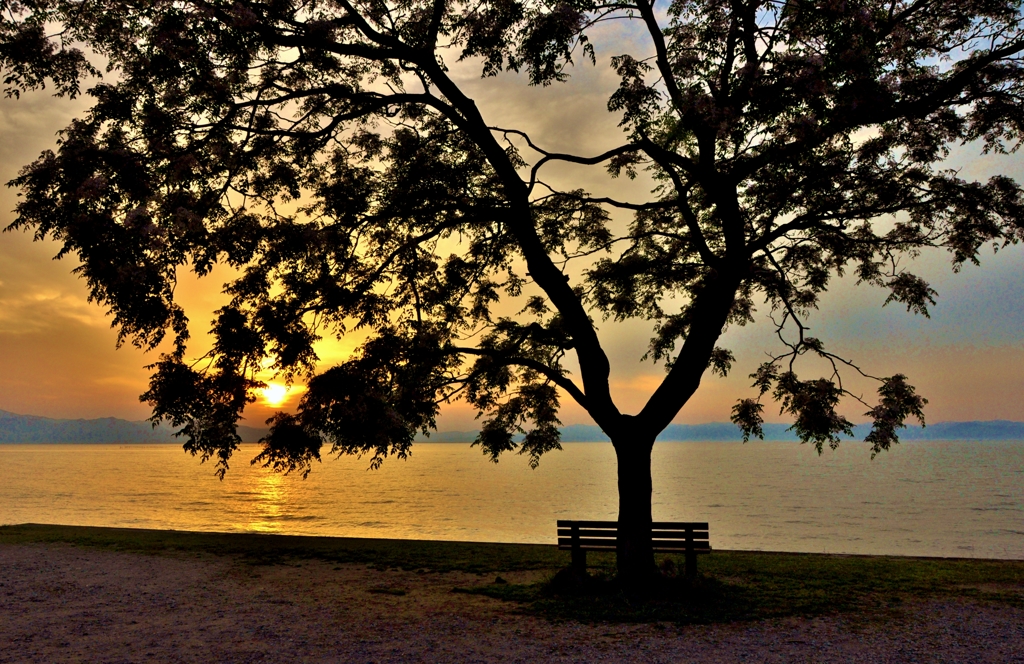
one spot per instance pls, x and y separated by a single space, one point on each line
64 604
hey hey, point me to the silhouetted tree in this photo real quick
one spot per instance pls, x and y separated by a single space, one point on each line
324 151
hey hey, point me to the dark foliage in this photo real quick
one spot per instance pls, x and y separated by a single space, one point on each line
324 151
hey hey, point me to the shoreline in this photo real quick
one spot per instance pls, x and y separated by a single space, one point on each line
86 531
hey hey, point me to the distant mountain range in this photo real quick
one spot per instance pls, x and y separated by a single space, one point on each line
16 428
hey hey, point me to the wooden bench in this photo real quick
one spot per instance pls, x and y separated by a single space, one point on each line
666 537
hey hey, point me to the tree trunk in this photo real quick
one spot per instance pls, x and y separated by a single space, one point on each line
634 555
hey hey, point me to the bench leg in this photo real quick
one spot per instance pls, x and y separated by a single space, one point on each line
579 561
579 556
691 556
691 564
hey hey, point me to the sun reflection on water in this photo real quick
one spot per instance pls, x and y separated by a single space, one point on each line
267 497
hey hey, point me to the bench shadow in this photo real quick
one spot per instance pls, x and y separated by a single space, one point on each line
599 597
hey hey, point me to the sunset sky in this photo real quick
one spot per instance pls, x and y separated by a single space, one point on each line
58 357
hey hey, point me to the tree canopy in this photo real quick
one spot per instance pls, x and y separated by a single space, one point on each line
323 149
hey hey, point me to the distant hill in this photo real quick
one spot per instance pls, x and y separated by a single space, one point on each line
16 428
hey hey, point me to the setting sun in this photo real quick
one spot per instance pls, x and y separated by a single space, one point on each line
274 394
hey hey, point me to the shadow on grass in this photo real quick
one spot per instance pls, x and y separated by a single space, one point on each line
740 586
602 599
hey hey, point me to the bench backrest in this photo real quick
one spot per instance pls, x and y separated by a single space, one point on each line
665 535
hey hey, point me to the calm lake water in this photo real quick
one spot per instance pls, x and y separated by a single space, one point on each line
921 498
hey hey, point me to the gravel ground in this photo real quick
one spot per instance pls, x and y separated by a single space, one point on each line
60 603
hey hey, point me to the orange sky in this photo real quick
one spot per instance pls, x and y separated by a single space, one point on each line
57 355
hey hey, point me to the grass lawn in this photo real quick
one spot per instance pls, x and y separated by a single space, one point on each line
734 585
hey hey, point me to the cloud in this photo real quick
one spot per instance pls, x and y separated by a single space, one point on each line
36 292
69 369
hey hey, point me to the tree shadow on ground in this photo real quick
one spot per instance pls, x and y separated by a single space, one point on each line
744 587
600 597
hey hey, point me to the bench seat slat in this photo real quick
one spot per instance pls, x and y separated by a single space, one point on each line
566 546
670 544
588 542
679 534
610 541
655 534
657 525
586 532
565 542
608 546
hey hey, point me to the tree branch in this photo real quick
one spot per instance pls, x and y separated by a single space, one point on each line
554 375
668 76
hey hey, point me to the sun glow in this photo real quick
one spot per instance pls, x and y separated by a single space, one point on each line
274 394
